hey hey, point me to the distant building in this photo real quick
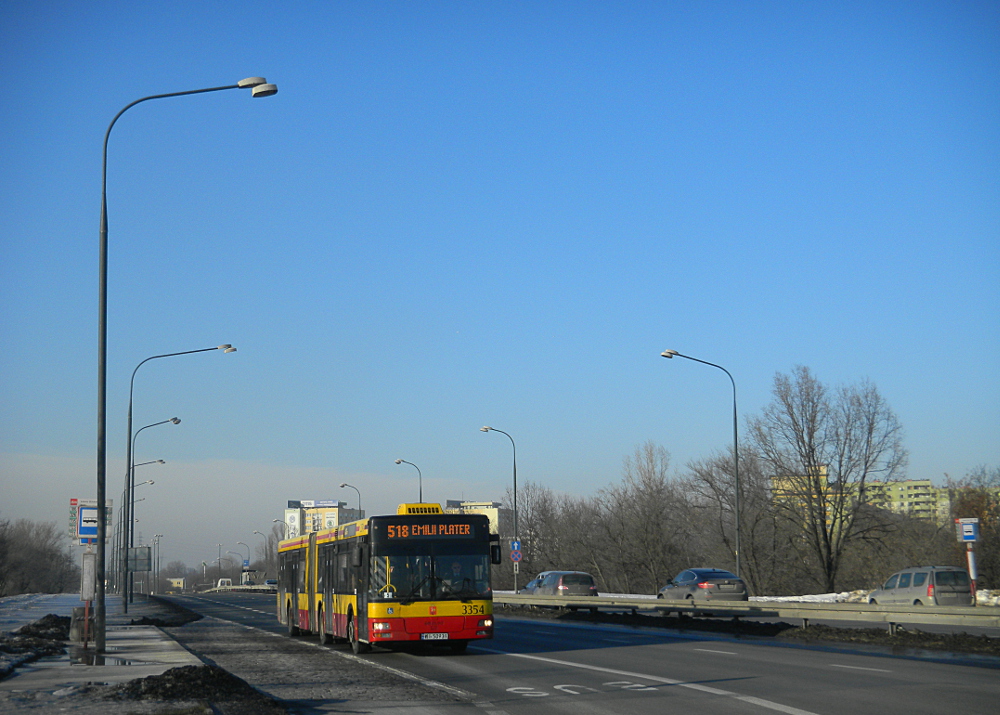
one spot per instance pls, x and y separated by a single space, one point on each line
304 516
501 518
918 498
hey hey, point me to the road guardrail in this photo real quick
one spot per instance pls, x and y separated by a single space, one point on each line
892 616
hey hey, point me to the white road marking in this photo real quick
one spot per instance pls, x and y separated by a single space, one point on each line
724 652
858 667
768 704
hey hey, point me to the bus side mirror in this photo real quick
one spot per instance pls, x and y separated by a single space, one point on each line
495 554
356 556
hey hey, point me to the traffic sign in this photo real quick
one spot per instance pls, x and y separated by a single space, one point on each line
515 556
515 546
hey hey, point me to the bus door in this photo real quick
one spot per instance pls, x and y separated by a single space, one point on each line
361 560
311 569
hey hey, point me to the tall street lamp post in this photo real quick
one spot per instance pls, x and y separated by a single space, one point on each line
514 448
156 561
287 528
259 88
129 477
247 567
129 597
236 553
345 484
420 479
736 445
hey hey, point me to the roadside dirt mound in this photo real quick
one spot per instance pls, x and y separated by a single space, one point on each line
195 683
50 627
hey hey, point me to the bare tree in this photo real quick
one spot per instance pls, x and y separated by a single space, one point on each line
35 558
823 452
641 522
978 496
711 484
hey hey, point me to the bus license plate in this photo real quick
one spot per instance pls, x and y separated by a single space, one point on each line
434 636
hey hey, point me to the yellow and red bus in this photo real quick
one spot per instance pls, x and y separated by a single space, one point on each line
419 575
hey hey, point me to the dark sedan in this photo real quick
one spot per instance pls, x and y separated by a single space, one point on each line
705 585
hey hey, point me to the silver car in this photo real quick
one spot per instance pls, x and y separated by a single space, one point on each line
925 586
705 585
562 583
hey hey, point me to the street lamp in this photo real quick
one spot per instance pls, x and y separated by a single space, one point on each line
345 484
227 348
243 543
129 597
279 521
156 560
258 88
514 448
420 479
236 553
736 445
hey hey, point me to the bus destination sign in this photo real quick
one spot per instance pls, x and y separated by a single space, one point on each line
428 530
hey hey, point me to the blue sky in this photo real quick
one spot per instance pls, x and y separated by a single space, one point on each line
458 214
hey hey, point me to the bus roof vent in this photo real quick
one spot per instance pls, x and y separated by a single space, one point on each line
409 509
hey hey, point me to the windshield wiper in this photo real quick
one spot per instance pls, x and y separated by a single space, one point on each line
412 595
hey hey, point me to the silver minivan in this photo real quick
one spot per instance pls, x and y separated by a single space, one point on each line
925 586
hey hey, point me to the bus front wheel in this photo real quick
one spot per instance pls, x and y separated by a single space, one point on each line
357 646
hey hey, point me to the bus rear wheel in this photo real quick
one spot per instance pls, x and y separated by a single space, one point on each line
324 637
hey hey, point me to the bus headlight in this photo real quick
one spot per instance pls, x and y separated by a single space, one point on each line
381 626
486 623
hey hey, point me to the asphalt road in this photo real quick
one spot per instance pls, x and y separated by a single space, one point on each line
546 667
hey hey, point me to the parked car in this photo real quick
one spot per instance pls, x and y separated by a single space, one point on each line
925 586
705 585
561 583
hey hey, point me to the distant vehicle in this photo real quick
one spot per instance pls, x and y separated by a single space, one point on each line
271 582
925 586
561 583
705 585
224 583
529 588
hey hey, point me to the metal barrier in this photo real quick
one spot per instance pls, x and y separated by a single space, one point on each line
978 616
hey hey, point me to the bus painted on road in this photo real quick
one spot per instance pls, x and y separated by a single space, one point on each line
417 576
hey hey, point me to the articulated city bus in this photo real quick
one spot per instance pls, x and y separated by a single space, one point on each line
419 575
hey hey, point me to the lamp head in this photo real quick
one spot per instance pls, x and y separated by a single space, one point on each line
264 90
399 461
175 420
251 82
229 350
160 461
669 353
224 347
485 429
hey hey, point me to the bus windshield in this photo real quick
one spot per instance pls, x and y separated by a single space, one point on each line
410 576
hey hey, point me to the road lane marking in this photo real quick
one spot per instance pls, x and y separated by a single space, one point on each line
768 704
858 667
724 652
